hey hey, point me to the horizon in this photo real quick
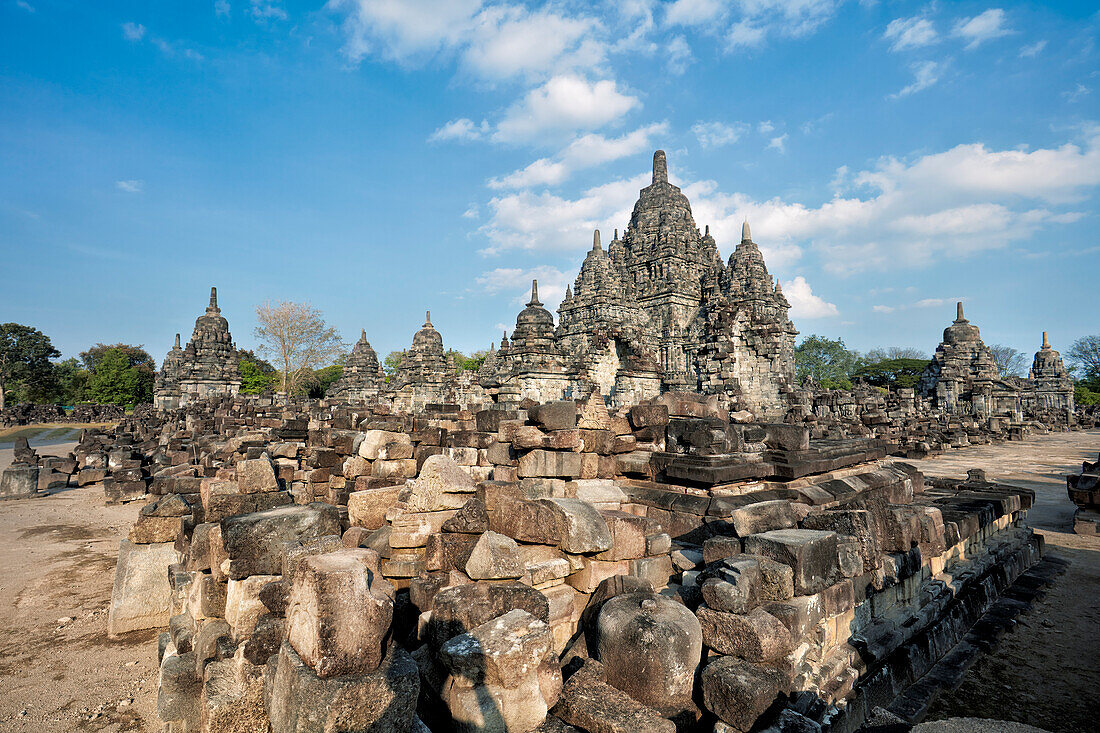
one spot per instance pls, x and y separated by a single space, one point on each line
892 159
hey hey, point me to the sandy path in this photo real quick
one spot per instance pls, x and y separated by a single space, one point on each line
57 559
1045 670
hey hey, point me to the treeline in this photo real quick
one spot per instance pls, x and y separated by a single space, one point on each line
116 374
832 365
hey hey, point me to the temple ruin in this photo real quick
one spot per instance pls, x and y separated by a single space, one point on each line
657 311
207 367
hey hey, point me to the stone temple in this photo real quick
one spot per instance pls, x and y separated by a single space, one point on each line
362 377
207 367
963 378
657 310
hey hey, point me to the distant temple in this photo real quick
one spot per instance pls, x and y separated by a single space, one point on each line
362 377
963 378
205 368
657 310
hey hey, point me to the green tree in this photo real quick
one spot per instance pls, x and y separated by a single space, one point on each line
827 361
469 363
892 373
392 363
324 378
117 381
1085 397
1084 359
257 377
135 355
72 382
25 355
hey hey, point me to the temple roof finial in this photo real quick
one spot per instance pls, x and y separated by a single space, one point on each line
363 335
213 298
746 235
427 319
616 234
178 340
596 239
1046 342
660 167
959 316
534 293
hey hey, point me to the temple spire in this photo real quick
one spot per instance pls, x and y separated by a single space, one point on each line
213 299
959 316
534 293
660 167
363 335
178 340
746 235
1046 342
596 239
427 319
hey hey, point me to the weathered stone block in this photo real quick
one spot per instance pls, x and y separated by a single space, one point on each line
340 612
141 595
253 542
551 464
756 636
738 692
811 554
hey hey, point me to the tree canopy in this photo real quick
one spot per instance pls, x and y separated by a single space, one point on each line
118 380
25 355
827 361
1010 361
892 373
1084 360
299 341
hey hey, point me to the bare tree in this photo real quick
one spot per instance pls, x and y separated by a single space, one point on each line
295 336
894 352
1009 360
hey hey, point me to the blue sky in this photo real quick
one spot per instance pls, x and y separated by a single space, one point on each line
379 158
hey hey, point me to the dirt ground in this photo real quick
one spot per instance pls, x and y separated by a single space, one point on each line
59 672
1044 671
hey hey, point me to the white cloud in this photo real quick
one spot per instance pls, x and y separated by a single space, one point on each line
717 134
517 282
130 186
678 55
778 143
24 5
221 8
925 73
542 221
883 309
981 28
493 42
1033 50
263 10
765 127
563 104
586 151
133 31
896 214
462 129
804 304
745 35
472 212
925 303
509 41
1079 91
904 33
694 12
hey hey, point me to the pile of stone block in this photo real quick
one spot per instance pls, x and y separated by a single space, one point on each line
1084 492
33 475
557 566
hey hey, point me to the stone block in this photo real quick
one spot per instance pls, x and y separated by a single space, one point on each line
148 530
581 527
368 508
762 517
737 691
560 415
756 636
494 557
18 482
256 476
503 674
299 701
644 416
375 440
458 609
550 464
399 468
628 536
253 542
243 606
589 703
811 554
141 595
340 612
